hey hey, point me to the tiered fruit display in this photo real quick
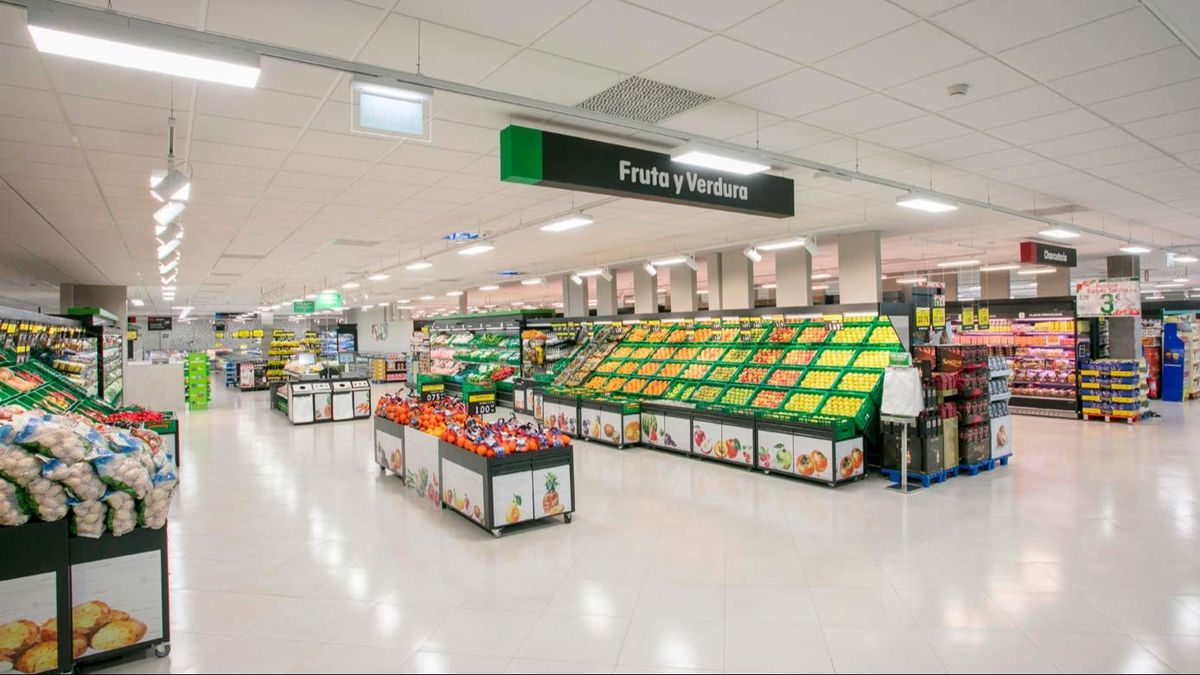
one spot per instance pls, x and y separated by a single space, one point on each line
694 371
850 335
754 334
798 357
751 375
670 370
722 373
686 353
724 335
737 396
818 379
622 352
634 385
872 359
663 353
448 420
735 355
677 336
638 334
680 391
710 354
864 382
813 334
655 388
782 334
785 377
648 368
642 352
608 367
767 357
703 335
767 399
802 402
706 394
658 334
884 335
614 383
595 382
841 406
627 368
835 358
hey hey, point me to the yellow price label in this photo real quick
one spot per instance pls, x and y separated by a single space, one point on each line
985 317
968 317
939 316
922 317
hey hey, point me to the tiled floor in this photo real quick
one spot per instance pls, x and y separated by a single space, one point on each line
290 552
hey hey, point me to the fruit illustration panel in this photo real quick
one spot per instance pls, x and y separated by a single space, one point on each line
462 490
590 424
117 602
549 415
512 498
706 435
632 426
850 458
775 451
28 626
738 442
653 427
323 406
814 458
1002 445
389 452
610 426
552 490
421 466
676 433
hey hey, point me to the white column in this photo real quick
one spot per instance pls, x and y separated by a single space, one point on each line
683 288
1054 285
737 281
712 270
859 267
462 303
645 292
793 277
575 300
606 296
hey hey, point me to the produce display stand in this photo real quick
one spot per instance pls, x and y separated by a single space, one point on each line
387 368
486 345
831 453
724 435
667 425
35 575
307 400
610 421
492 492
252 375
559 411
168 430
102 326
524 390
195 380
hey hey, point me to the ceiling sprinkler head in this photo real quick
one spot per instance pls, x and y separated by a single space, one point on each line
958 89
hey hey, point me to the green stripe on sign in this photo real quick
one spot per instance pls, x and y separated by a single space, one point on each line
520 155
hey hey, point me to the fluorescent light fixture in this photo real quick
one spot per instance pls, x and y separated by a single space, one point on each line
419 265
724 162
752 254
910 280
821 276
453 294
533 282
1000 268
311 296
368 306
770 286
476 249
389 108
597 272
1034 271
169 213
403 301
650 269
350 284
576 279
691 262
169 265
165 233
329 290
1186 258
137 302
117 43
784 244
490 287
170 185
379 276
914 200
567 223
958 263
1060 233
1169 285
1180 280
674 260
1134 249
821 287
821 175
168 279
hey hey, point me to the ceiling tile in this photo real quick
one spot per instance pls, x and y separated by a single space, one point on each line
918 131
29 103
393 173
1167 66
592 35
22 67
1150 164
958 147
986 78
260 105
928 7
243 132
240 155
785 136
34 131
446 53
1180 143
859 115
713 15
719 120
429 156
1072 144
324 165
350 146
1164 100
1114 155
908 54
203 170
296 78
550 78
719 67
829 26
799 93
996 160
1183 14
126 117
1009 108
1047 127
517 21
311 181
33 152
1166 125
993 25
1099 43
335 27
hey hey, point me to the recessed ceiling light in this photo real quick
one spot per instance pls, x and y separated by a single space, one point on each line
958 263
694 156
795 242
821 287
137 302
1034 271
453 294
476 249
567 223
403 301
1169 285
1186 258
311 296
350 284
822 275
924 203
419 265
368 306
1060 233
1000 268
379 276
426 297
533 282
910 280
490 287
1134 249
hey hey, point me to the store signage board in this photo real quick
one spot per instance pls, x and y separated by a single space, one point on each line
985 317
1100 297
330 300
1037 253
304 307
922 317
939 317
536 157
158 323
968 317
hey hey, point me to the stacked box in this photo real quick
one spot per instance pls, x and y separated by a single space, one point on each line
1114 388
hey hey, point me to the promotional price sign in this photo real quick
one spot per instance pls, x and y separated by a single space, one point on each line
922 317
968 317
985 317
1098 297
939 317
481 403
432 391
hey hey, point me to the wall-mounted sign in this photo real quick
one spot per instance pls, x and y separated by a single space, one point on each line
218 326
536 157
304 307
1098 297
158 323
1037 253
329 300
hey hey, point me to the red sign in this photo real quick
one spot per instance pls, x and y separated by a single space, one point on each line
1037 253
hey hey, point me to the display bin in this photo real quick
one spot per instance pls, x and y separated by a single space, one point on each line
128 574
829 350
680 390
789 376
693 371
707 393
723 435
798 356
168 429
561 411
876 391
753 375
523 391
759 403
722 374
812 380
794 392
829 453
389 445
609 421
667 426
861 417
712 357
499 492
35 580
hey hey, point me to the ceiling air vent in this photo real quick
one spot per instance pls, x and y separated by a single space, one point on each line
637 98
1063 210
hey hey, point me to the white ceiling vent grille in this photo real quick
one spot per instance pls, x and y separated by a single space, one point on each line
637 98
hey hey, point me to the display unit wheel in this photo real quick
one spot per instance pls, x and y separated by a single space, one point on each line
566 517
496 532
162 649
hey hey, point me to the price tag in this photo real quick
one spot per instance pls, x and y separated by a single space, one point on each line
432 391
968 317
939 316
481 403
922 317
985 318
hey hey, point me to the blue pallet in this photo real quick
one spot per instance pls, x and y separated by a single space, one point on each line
925 479
951 472
985 465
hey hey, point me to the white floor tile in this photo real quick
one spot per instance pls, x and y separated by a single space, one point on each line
587 639
769 604
674 643
596 597
860 607
481 632
540 666
986 651
331 658
1052 612
1180 652
255 655
699 602
881 650
431 662
1096 653
951 609
775 647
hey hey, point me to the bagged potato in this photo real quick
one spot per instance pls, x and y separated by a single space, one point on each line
122 514
153 509
49 498
12 505
18 465
80 479
88 518
50 436
124 472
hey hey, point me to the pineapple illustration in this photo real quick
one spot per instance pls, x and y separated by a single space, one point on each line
514 510
550 504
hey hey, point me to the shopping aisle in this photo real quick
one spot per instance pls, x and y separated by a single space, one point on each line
290 552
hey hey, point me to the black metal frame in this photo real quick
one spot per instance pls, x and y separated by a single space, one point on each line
606 407
41 548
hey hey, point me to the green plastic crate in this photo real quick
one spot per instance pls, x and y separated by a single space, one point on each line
836 373
733 369
680 390
782 390
694 398
799 370
875 392
790 350
852 350
745 351
821 395
861 416
749 368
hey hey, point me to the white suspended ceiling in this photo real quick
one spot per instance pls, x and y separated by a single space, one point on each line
1094 103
